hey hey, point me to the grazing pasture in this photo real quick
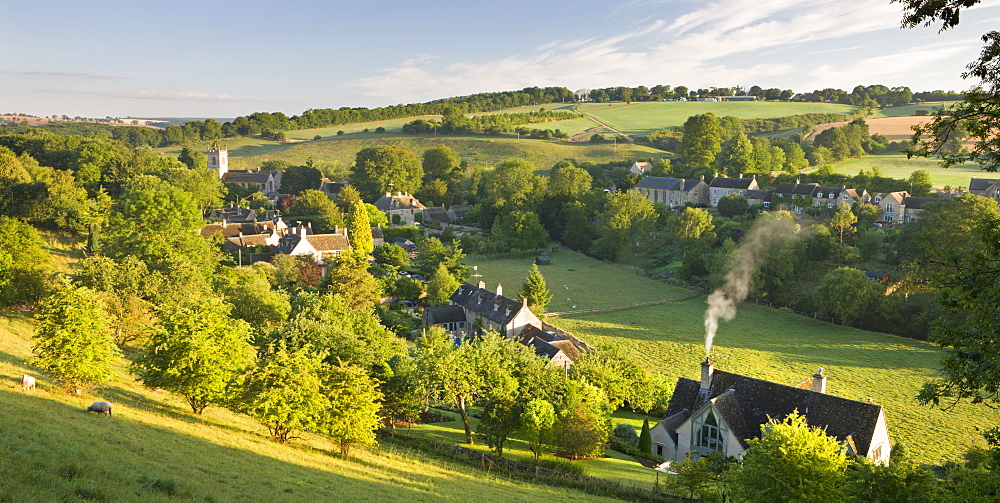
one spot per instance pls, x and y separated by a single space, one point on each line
765 343
898 166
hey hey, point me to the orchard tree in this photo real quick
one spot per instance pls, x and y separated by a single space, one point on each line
791 462
73 340
283 393
535 290
537 420
353 402
196 351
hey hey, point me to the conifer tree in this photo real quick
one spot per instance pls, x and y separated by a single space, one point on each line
535 290
359 230
645 439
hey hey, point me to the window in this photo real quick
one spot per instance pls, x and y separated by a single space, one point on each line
888 207
709 435
767 204
888 217
819 194
659 450
878 199
845 197
830 196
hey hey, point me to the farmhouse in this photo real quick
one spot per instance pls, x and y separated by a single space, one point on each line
986 187
640 167
400 208
892 204
723 410
673 192
298 242
722 187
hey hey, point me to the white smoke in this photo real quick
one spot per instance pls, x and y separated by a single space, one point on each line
768 232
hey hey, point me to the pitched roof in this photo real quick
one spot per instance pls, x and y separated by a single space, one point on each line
328 242
689 185
399 201
763 195
897 196
659 183
489 305
439 214
917 203
796 189
259 176
235 229
444 314
732 183
981 183
826 191
750 402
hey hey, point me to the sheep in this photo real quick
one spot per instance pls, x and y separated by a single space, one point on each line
100 407
27 383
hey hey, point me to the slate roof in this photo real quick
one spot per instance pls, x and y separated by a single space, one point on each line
796 189
234 229
259 176
444 314
689 185
377 233
438 214
659 183
763 195
917 203
731 183
746 403
898 196
247 241
399 201
489 305
231 214
826 191
981 183
330 187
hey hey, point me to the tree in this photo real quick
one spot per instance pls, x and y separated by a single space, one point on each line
535 290
736 155
352 414
440 162
537 419
401 388
24 279
569 181
296 179
843 220
702 140
920 183
283 393
512 185
582 430
790 462
733 205
391 255
359 230
73 340
316 204
627 217
645 440
441 286
692 476
196 351
448 373
248 290
848 294
520 230
691 224
385 168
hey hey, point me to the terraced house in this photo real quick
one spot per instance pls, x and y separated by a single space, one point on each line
673 192
723 187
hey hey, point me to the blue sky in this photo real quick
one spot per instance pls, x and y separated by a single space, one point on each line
226 58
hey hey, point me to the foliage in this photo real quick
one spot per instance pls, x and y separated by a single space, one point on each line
401 401
349 278
24 265
733 205
359 230
899 481
441 285
385 168
520 230
196 351
249 291
702 140
391 255
314 203
74 338
297 179
693 476
627 217
283 392
645 440
535 290
352 414
790 462
848 294
843 221
536 422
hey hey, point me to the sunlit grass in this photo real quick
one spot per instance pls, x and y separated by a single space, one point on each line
898 166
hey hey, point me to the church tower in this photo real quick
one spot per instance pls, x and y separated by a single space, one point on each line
218 159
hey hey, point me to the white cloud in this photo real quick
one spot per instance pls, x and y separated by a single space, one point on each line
147 95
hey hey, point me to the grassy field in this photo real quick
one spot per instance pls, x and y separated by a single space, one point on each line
898 166
763 343
910 109
646 117
357 127
155 450
479 151
569 126
577 280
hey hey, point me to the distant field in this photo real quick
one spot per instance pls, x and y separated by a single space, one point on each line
898 166
569 126
646 117
911 109
577 280
155 450
893 128
761 342
247 153
357 127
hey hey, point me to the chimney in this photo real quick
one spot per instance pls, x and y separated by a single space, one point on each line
703 178
302 230
482 285
707 368
499 290
741 175
819 381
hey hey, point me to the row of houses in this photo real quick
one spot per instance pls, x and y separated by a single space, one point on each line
896 207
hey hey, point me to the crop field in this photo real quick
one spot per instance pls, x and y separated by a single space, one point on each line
646 117
479 151
912 109
154 449
898 166
568 126
765 343
356 127
893 128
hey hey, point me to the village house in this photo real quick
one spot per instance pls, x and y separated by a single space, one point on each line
232 214
673 192
723 410
299 242
831 197
266 181
400 208
331 188
233 229
892 205
641 168
759 198
722 187
912 206
986 187
817 196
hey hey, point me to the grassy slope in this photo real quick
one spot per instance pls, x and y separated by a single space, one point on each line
764 343
911 109
155 450
477 150
898 166
646 117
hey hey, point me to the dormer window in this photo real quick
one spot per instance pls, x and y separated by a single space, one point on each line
830 195
710 433
819 194
845 197
877 199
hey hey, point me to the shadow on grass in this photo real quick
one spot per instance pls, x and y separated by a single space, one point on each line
56 448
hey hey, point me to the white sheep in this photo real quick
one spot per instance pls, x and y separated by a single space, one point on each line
27 383
100 407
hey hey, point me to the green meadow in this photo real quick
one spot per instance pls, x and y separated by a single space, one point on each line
898 166
761 342
154 449
648 116
906 110
478 151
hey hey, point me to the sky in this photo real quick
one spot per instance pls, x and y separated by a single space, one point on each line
222 58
